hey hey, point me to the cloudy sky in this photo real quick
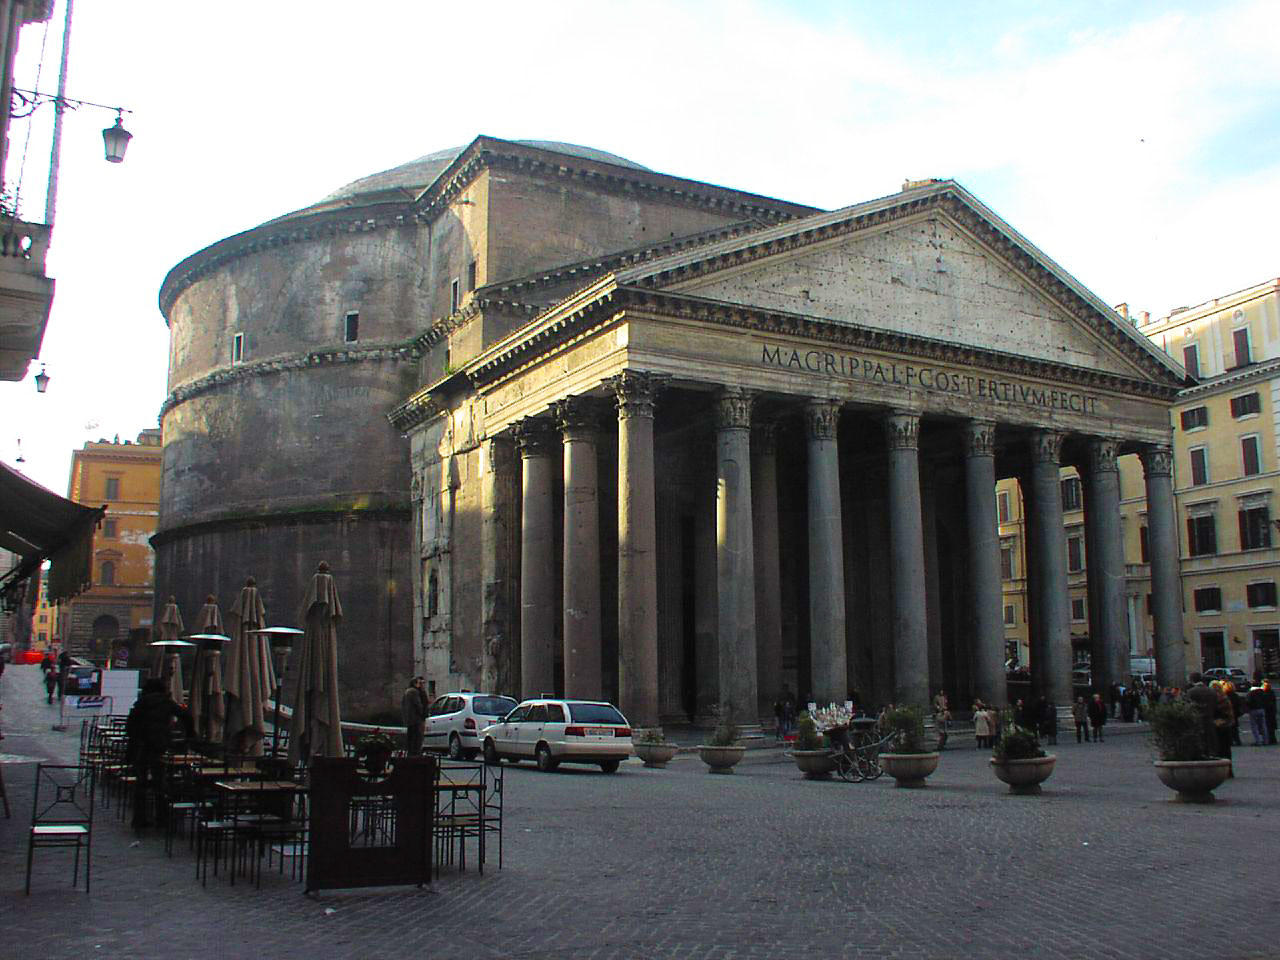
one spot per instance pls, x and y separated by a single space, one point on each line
1136 143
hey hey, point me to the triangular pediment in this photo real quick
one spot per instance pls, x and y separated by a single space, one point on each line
931 267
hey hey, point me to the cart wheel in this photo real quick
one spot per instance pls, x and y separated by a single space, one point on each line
846 768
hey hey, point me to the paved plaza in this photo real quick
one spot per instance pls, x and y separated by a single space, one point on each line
676 863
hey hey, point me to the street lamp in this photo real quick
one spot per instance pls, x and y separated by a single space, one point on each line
116 139
42 380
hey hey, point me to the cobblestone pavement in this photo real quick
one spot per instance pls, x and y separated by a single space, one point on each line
676 863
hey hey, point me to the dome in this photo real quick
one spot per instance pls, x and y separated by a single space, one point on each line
416 175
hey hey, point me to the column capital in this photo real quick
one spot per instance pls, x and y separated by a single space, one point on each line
1102 455
902 431
635 391
1157 460
980 438
822 418
576 418
535 437
764 437
733 408
1046 446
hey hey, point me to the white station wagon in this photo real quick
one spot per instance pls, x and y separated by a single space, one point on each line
552 732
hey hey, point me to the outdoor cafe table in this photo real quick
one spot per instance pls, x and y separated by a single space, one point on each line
250 798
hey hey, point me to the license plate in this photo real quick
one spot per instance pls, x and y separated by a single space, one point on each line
599 731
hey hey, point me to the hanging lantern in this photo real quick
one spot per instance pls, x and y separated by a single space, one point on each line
42 380
116 140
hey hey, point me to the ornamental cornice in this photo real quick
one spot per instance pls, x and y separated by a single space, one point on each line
1232 380
262 368
415 411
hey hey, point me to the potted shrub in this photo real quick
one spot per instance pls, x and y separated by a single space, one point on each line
1018 760
812 758
374 750
908 760
722 752
653 748
1183 764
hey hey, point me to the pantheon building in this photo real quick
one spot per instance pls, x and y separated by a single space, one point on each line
563 424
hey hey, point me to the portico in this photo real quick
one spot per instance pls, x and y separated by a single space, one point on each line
777 458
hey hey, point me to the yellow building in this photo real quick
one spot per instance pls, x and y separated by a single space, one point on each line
115 613
1226 465
44 625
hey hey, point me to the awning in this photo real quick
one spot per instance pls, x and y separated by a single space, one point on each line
39 525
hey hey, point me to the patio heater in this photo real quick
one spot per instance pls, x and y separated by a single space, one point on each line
281 639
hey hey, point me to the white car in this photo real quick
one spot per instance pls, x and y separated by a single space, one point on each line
455 720
552 732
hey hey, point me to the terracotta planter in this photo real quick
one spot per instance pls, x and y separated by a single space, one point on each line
1024 776
720 759
656 754
814 764
1194 780
909 769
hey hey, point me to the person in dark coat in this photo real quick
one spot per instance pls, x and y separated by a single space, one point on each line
1205 699
413 713
64 668
50 680
1237 710
149 728
1048 721
1097 716
1224 720
1269 710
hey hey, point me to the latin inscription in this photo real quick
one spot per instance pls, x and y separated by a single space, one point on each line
851 367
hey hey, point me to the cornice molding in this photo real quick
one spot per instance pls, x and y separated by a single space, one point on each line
1232 379
261 368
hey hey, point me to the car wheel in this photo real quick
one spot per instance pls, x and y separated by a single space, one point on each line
490 753
609 766
470 754
546 762
455 747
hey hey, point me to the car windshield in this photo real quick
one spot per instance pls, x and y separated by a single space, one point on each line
595 713
492 706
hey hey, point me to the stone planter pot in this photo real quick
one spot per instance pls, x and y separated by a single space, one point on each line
656 754
1024 776
909 769
720 759
814 764
1194 780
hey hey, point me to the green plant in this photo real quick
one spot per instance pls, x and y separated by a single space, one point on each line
1016 743
905 726
807 735
651 735
726 731
1177 731
375 742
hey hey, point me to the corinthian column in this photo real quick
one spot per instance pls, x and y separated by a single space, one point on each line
906 562
827 641
735 557
1166 584
582 659
536 443
986 595
1104 546
637 558
764 516
1051 640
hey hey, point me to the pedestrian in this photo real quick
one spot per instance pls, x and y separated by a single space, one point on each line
1237 710
1097 716
64 668
1048 721
50 680
1269 709
941 716
413 712
981 724
1203 697
1080 715
149 729
46 664
1224 721
1117 692
1257 714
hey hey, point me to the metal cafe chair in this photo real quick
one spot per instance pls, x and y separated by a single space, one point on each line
62 815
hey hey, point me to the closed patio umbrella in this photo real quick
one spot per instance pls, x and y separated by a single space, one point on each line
208 705
248 676
316 728
170 664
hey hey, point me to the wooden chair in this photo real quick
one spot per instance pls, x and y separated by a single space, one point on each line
62 815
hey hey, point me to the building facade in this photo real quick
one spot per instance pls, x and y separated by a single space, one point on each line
116 612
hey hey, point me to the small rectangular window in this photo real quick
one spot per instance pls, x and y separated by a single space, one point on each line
1010 613
1202 536
1208 600
1002 506
351 328
1245 404
1071 493
1006 560
471 275
1195 417
1191 360
108 529
1251 456
237 348
1199 466
113 488
1078 612
1255 528
1075 553
1240 338
1261 594
453 297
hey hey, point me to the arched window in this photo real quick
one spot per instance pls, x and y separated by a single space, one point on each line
433 594
108 575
